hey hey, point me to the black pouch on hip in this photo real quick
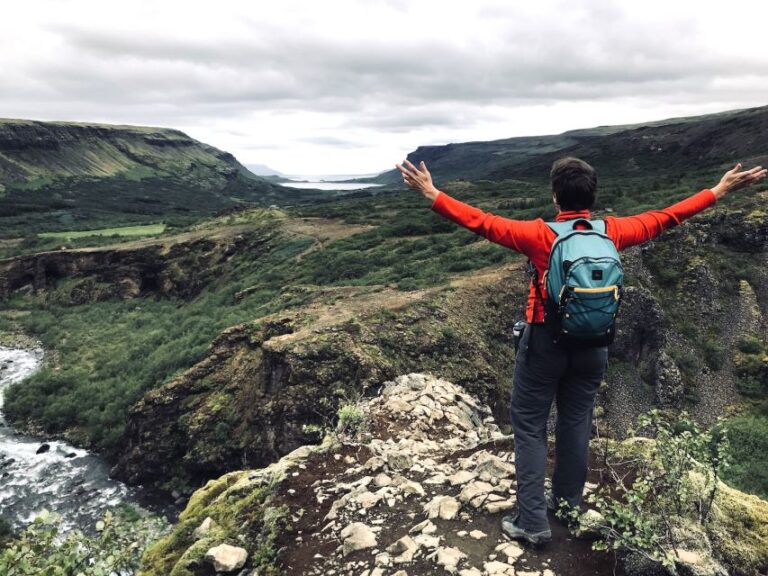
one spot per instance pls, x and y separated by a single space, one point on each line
517 333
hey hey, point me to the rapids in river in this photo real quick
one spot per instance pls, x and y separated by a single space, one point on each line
39 474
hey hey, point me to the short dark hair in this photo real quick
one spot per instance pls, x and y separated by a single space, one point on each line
574 183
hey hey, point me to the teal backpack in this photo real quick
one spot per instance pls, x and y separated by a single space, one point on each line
585 282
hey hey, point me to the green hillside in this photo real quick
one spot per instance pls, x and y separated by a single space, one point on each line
74 176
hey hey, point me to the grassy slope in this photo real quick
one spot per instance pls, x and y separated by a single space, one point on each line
147 230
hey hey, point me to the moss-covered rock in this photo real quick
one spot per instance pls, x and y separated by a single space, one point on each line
739 531
242 513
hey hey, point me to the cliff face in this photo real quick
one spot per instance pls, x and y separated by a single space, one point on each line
267 387
177 269
31 151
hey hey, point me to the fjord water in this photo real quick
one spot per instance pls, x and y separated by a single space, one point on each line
327 185
64 479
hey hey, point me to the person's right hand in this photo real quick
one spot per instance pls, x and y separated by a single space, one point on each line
419 179
735 180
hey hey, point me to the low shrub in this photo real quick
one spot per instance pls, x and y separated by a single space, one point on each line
42 548
651 494
351 419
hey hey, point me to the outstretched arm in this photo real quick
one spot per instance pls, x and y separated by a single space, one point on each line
519 235
631 230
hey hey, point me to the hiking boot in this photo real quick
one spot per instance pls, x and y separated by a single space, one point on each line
552 506
511 529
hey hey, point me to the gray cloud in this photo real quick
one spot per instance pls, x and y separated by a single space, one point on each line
296 72
374 76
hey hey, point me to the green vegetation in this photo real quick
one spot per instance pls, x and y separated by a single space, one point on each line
748 432
34 243
751 360
112 352
660 491
748 470
115 548
351 419
243 514
146 230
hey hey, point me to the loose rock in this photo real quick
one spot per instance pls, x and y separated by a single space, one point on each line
226 558
357 536
449 558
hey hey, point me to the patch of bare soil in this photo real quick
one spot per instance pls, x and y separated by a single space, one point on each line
324 229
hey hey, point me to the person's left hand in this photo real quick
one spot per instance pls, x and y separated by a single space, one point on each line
736 180
418 178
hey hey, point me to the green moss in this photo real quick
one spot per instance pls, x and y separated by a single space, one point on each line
739 531
204 497
192 558
751 363
242 517
244 514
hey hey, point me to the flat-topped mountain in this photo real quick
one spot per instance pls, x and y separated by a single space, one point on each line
70 175
676 144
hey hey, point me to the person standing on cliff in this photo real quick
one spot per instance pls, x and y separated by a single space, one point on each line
545 370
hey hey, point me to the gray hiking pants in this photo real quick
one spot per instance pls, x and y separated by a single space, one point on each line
545 371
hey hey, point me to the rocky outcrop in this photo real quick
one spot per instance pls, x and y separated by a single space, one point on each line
178 269
266 387
353 505
226 558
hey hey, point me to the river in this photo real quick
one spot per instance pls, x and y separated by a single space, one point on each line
63 479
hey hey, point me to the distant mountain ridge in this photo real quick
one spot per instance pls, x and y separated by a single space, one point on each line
264 170
74 175
32 150
675 143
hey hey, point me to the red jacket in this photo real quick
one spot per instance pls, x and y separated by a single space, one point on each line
534 238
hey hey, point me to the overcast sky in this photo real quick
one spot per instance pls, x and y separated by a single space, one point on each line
329 87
